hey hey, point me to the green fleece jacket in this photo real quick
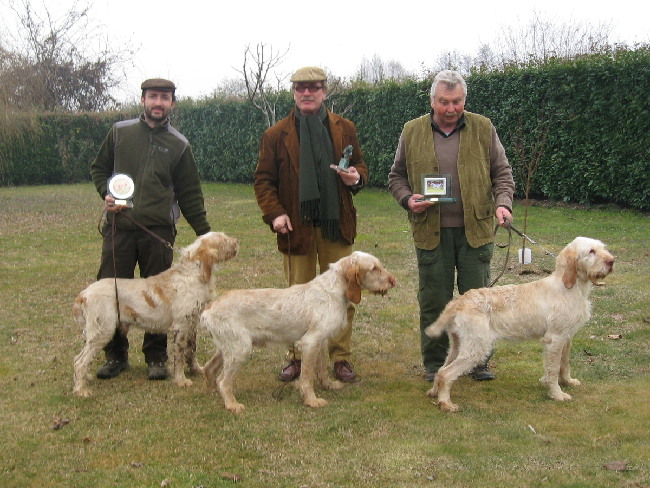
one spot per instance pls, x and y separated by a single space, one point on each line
162 165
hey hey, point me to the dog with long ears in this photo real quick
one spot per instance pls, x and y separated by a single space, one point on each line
553 309
170 301
309 314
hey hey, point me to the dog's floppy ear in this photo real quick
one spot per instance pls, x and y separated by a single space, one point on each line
353 290
206 257
569 259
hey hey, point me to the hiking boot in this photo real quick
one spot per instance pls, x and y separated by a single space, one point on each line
157 371
291 371
481 373
111 369
344 372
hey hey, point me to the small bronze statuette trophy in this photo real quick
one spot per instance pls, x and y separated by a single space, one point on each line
345 160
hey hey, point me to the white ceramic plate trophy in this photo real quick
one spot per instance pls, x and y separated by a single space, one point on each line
121 186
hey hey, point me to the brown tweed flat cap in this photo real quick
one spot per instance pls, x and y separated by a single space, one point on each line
309 73
159 83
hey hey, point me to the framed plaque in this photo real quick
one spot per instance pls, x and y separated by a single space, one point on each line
437 186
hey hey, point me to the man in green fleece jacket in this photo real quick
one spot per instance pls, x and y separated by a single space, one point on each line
453 240
160 161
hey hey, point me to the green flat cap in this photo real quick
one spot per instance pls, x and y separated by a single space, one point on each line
309 73
159 83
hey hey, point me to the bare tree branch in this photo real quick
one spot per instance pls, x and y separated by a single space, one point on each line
256 70
54 67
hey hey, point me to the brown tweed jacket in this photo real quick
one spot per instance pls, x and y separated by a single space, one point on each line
277 173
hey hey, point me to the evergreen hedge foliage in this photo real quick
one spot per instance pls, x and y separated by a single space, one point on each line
588 119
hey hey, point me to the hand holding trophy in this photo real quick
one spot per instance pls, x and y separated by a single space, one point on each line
121 188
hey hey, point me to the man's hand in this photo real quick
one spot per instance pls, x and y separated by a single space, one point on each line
418 207
109 204
503 215
282 224
350 177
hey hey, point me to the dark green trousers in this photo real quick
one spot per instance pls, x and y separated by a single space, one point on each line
131 249
453 262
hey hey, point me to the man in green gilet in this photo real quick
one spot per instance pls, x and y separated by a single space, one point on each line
453 240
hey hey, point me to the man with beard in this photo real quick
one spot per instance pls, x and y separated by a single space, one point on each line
160 162
306 198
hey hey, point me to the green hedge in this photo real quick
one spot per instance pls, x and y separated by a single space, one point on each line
596 111
59 151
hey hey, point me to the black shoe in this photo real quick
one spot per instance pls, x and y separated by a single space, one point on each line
482 373
111 369
429 376
157 371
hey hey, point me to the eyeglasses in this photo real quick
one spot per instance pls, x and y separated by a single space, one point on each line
310 88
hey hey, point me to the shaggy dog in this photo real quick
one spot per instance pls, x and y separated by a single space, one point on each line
169 301
309 314
553 309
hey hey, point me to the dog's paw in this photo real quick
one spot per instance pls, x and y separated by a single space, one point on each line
236 408
571 382
316 403
432 392
83 392
334 385
560 396
183 382
448 407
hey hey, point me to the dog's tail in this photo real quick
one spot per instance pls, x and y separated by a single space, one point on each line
440 325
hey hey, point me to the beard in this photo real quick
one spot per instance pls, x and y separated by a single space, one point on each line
156 118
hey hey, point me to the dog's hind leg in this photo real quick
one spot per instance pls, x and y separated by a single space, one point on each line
235 354
553 351
467 351
210 370
451 356
81 365
446 377
225 384
96 339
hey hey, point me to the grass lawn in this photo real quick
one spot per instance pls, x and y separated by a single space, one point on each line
381 432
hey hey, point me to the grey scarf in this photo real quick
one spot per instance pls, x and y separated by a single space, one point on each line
318 185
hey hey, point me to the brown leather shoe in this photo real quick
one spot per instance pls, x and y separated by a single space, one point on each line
344 372
291 371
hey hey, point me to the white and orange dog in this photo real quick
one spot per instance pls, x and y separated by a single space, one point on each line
170 301
309 315
553 309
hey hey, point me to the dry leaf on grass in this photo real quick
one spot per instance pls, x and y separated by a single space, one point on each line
615 466
60 423
231 476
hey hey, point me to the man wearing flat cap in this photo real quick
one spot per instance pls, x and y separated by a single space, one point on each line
160 162
306 202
